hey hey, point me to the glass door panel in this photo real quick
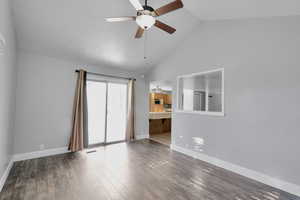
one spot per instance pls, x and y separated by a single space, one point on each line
116 112
96 108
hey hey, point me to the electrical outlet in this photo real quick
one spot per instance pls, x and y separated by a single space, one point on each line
2 44
42 147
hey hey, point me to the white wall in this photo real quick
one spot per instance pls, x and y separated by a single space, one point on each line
45 93
262 93
7 85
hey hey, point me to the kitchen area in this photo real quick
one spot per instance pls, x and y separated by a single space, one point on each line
160 112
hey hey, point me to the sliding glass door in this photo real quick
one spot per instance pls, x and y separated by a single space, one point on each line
116 112
96 112
106 112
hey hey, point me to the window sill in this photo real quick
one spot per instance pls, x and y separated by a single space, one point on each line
219 114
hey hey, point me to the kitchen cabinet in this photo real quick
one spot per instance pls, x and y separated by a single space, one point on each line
168 99
165 99
166 125
156 107
158 126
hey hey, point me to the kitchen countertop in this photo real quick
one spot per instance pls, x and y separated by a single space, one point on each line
160 115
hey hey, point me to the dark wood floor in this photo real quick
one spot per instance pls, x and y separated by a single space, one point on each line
141 170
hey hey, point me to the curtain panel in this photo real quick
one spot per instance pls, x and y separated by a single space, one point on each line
130 135
77 140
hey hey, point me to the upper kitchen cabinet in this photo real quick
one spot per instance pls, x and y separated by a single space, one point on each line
168 99
159 101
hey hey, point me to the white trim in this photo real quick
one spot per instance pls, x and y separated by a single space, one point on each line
39 154
222 113
5 174
263 178
200 73
107 79
140 137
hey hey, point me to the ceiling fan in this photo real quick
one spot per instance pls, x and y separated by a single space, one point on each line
146 16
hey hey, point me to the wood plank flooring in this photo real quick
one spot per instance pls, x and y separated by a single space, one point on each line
163 138
142 170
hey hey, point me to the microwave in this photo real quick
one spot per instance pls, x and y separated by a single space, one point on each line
158 101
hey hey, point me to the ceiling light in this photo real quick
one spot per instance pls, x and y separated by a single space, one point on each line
157 90
145 21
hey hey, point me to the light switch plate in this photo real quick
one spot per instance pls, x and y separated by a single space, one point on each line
2 44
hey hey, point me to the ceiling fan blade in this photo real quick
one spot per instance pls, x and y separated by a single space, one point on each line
136 4
139 33
169 8
164 27
120 19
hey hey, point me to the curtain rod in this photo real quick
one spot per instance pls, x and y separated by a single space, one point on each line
112 76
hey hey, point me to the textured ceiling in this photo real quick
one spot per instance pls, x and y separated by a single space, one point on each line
76 29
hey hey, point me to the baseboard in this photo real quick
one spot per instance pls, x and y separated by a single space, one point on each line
276 183
39 154
5 174
140 137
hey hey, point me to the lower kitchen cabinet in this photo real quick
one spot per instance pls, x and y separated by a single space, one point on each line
158 126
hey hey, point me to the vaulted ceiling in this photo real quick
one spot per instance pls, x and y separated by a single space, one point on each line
242 9
76 29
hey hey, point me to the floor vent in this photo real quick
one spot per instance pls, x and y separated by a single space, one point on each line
92 151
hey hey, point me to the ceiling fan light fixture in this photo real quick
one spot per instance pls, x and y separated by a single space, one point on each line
145 21
146 16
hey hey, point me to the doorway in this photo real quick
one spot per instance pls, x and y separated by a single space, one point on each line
106 112
160 112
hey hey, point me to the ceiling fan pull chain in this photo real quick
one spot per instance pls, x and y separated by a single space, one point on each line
145 43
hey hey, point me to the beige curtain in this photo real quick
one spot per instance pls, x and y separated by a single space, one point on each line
76 140
130 114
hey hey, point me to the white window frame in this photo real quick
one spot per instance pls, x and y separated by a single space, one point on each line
209 113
